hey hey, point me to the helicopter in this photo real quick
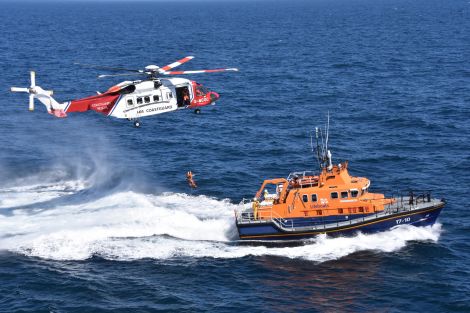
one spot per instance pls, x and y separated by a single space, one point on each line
135 99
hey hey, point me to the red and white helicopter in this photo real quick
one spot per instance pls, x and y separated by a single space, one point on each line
134 99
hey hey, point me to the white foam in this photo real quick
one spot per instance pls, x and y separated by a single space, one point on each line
319 249
22 195
129 226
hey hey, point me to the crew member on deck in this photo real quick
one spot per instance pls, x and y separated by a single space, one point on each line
255 206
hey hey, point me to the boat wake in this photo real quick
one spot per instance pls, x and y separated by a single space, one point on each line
126 225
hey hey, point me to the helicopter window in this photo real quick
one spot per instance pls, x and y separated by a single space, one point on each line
334 195
314 198
201 91
127 90
130 101
147 99
344 194
354 193
139 100
170 95
305 198
156 98
157 84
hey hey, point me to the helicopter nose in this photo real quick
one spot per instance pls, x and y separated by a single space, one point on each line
214 96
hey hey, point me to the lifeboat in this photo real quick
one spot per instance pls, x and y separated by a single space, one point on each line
329 201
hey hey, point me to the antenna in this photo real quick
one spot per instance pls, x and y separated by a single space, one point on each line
327 131
311 141
323 154
318 146
328 153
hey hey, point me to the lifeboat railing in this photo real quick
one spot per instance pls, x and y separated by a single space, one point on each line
263 215
401 203
301 175
407 200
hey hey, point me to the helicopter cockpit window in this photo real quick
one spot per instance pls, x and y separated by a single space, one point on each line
139 100
201 90
127 89
156 98
147 99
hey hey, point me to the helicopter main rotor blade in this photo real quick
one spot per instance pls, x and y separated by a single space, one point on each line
200 71
115 75
108 68
175 64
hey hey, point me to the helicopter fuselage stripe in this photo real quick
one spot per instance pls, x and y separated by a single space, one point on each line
115 105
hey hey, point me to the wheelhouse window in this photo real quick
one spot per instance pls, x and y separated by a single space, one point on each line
139 100
344 194
156 98
314 198
354 193
334 195
147 99
305 198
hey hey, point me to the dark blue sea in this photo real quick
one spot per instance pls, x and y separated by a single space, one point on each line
96 215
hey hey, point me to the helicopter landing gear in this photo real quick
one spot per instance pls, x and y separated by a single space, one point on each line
197 111
136 123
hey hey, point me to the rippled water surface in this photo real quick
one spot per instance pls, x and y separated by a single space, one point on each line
97 216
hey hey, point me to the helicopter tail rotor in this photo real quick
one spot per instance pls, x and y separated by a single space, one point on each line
45 96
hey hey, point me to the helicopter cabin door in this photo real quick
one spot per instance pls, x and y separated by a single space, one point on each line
182 96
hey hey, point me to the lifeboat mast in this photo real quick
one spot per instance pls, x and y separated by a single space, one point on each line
323 154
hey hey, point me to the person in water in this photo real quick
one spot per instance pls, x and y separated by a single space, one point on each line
190 180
